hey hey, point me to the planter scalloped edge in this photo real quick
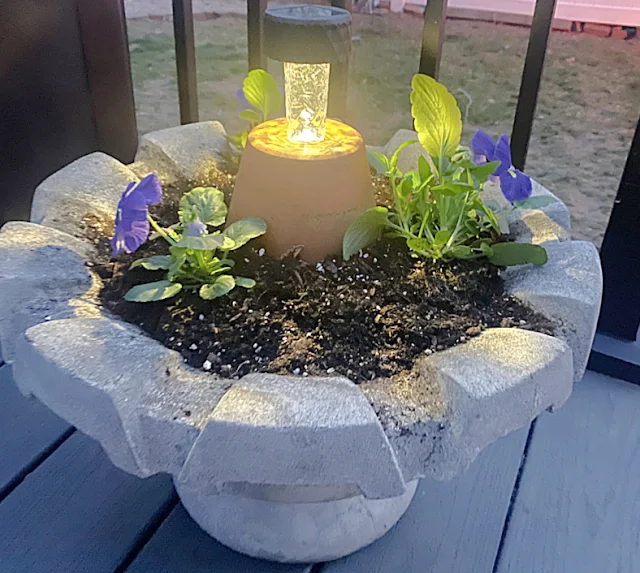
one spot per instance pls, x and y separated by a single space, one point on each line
253 459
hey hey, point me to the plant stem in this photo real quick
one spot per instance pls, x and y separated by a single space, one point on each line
403 232
457 229
440 169
201 262
161 231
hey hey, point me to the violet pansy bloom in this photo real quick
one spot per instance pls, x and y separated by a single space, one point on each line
515 185
132 223
242 100
195 229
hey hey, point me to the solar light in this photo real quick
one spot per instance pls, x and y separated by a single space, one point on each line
308 39
305 174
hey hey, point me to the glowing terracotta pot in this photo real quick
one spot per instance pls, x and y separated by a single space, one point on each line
308 194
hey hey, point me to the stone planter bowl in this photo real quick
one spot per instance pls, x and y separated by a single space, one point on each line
280 467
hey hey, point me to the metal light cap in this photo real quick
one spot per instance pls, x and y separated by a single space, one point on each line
307 34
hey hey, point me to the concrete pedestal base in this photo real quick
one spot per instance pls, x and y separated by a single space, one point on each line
295 532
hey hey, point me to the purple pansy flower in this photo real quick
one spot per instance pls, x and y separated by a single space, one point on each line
242 100
132 224
515 185
195 229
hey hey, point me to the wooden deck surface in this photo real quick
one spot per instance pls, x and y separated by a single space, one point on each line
563 499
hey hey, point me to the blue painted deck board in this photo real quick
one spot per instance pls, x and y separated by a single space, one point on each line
180 546
28 430
578 504
450 527
77 513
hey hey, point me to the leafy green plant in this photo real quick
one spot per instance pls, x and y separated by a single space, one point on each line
260 99
438 207
199 257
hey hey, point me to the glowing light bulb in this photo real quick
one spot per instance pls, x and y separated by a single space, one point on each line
307 92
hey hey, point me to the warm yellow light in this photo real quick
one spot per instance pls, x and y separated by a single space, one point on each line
271 137
306 89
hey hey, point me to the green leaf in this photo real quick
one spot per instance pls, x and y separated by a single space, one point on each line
155 263
422 246
442 237
393 160
406 186
205 203
437 117
424 168
364 231
498 223
239 140
262 92
450 189
461 252
378 161
486 249
250 115
220 287
242 231
536 202
245 282
482 172
151 292
178 258
202 243
510 254
448 209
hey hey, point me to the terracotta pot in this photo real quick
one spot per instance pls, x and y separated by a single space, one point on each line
308 194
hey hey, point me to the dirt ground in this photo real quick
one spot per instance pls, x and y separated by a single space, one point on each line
587 108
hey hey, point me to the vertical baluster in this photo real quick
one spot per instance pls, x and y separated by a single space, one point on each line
255 33
435 15
530 83
620 314
185 60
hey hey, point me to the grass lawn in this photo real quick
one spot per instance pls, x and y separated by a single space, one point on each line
587 109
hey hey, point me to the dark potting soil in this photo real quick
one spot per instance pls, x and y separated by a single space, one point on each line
370 317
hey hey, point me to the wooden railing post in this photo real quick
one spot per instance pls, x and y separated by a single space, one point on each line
255 33
530 83
103 32
185 60
435 15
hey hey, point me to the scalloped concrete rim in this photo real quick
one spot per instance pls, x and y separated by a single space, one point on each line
283 438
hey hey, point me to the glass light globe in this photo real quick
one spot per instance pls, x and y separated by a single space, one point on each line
307 92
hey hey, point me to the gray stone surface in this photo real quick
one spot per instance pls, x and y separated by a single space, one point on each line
569 289
43 276
91 185
295 532
120 387
321 431
287 468
492 385
549 223
190 151
408 158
